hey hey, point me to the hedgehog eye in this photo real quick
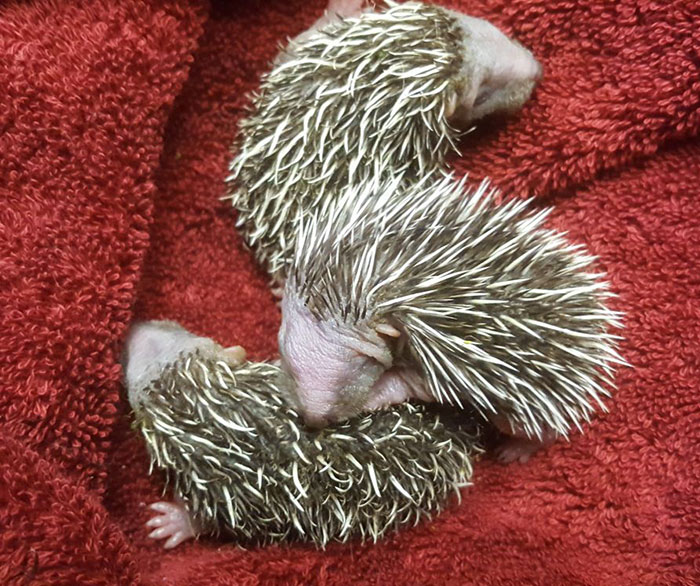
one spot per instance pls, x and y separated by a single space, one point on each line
483 96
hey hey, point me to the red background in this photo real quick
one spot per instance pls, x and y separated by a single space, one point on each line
115 124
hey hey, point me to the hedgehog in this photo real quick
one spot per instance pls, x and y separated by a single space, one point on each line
376 94
241 461
445 296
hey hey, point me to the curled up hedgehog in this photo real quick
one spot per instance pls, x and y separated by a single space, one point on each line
373 94
241 461
441 295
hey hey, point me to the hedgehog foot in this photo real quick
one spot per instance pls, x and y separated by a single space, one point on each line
517 449
236 355
172 521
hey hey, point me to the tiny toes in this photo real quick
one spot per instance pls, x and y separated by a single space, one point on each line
173 522
163 507
160 532
516 450
176 540
157 521
236 354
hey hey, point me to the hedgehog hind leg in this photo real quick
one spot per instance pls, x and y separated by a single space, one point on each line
516 445
173 522
518 449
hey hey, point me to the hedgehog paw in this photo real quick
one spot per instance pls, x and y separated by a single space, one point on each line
236 355
516 449
172 522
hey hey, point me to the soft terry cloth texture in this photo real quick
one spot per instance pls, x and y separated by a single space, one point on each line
115 122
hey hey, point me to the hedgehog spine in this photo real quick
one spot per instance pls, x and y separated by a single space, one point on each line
292 162
497 310
238 455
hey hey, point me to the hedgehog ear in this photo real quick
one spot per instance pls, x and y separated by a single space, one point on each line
387 330
344 8
235 354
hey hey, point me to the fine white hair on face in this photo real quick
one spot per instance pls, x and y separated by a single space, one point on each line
151 345
495 310
501 72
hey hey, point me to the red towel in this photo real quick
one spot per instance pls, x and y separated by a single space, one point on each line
115 124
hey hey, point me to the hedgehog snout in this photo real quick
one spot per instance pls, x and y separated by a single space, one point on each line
335 396
498 72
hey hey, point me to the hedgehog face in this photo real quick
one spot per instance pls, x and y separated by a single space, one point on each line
151 346
499 73
334 368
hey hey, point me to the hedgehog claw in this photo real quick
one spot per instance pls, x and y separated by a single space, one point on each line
172 522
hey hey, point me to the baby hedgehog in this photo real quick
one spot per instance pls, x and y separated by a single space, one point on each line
443 295
241 460
377 94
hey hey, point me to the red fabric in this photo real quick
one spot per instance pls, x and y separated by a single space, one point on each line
115 123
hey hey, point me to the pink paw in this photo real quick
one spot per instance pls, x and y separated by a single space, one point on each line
236 355
172 522
515 449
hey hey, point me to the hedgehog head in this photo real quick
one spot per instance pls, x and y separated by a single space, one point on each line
497 74
487 305
336 369
152 345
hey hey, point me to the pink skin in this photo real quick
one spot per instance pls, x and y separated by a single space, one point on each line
501 72
329 364
340 373
336 9
149 347
340 9
396 386
518 447
152 345
172 522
